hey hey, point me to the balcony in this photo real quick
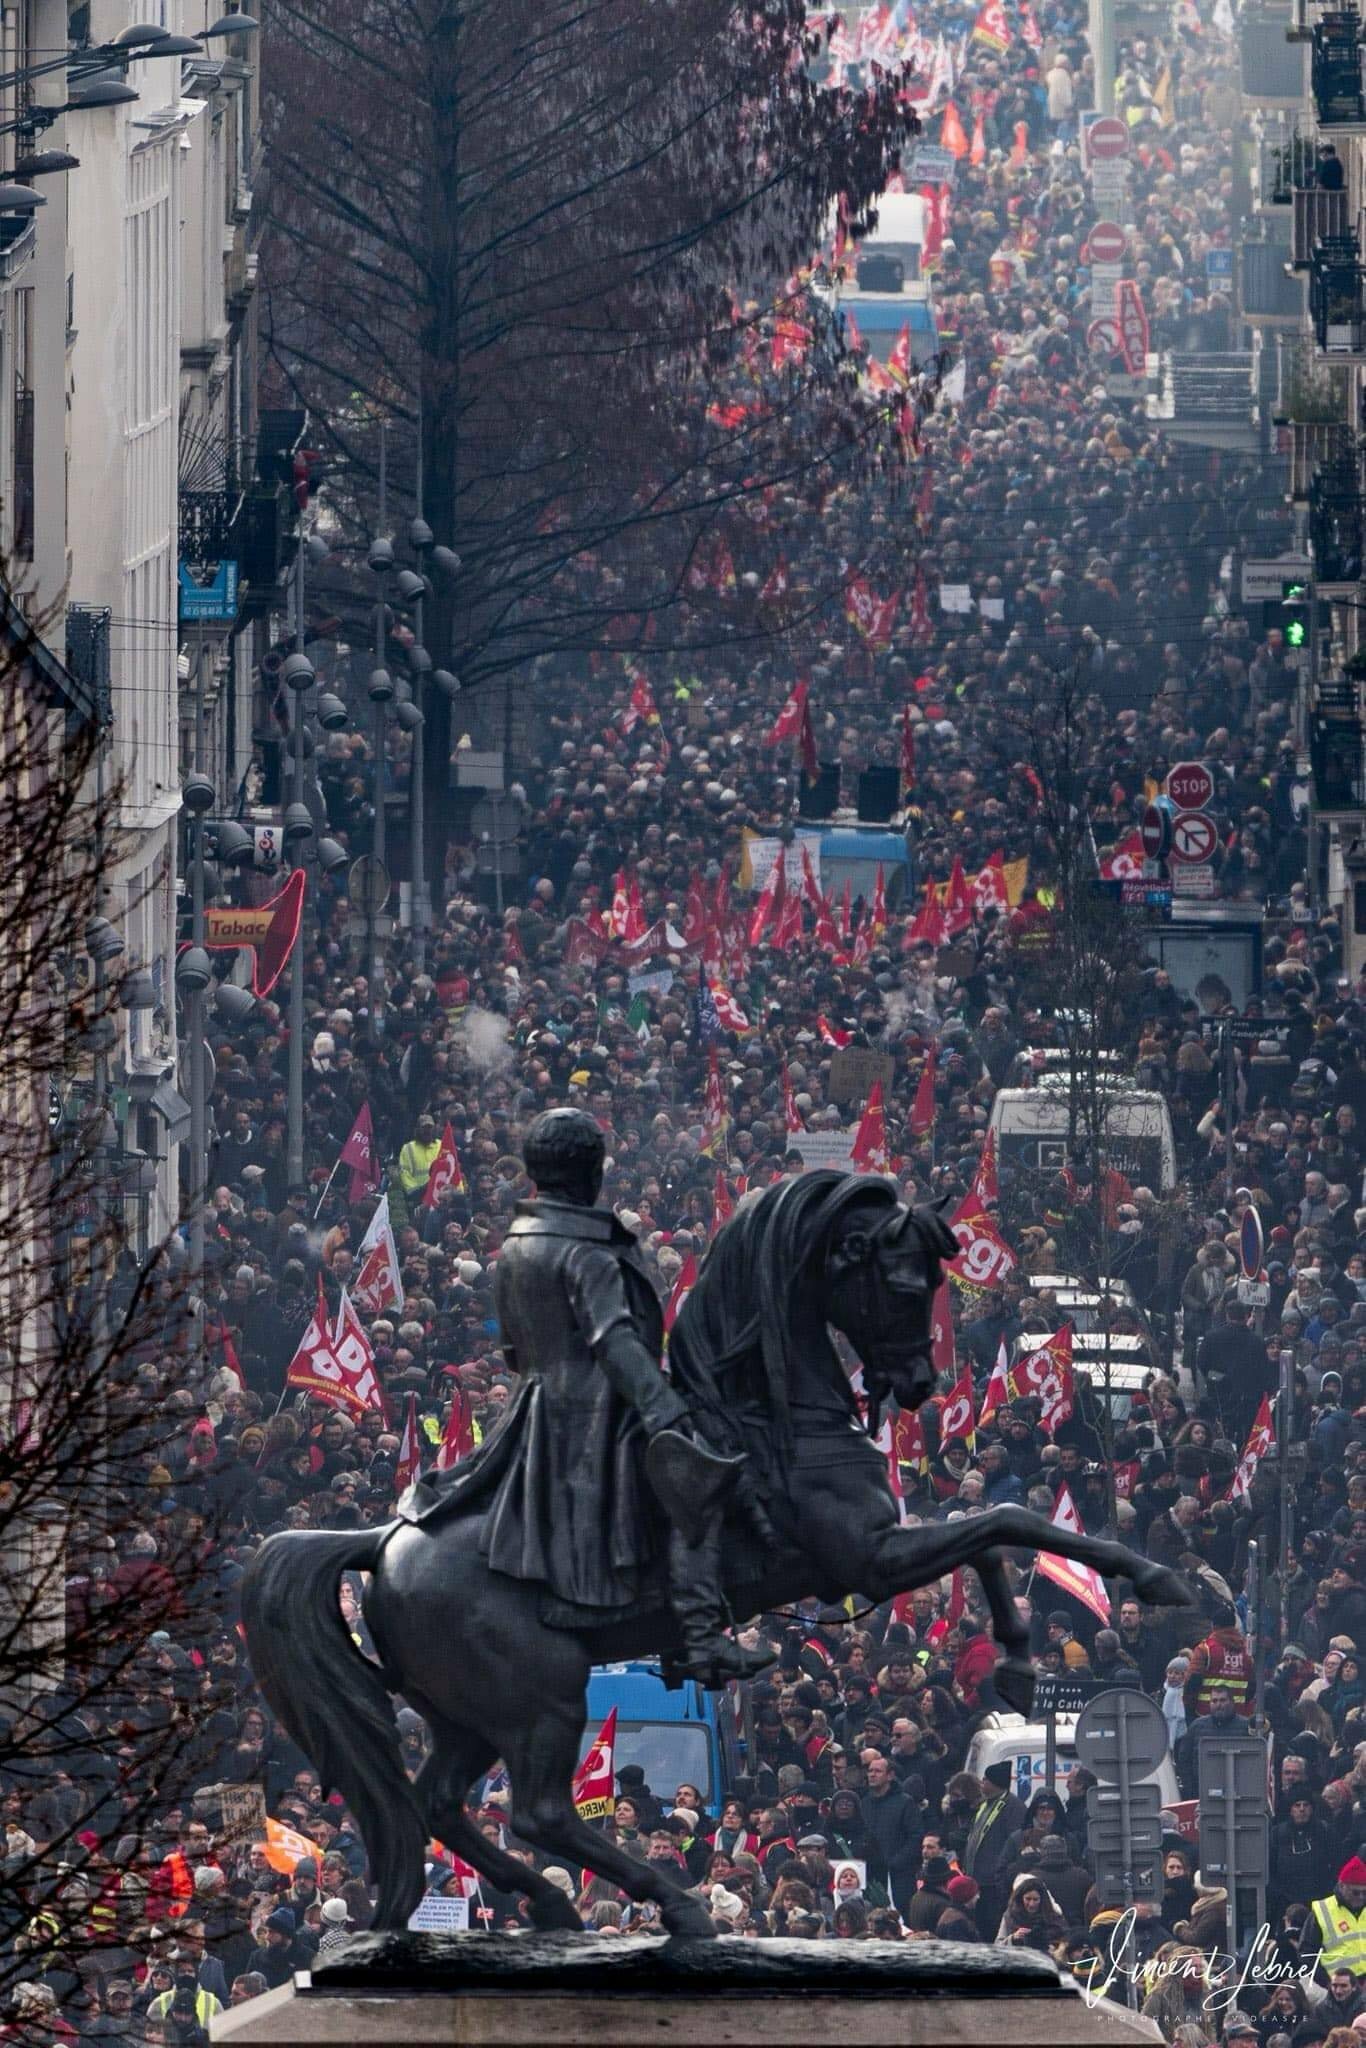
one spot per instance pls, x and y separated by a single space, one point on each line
1271 69
1336 527
1318 217
1267 294
18 240
1335 74
209 526
1336 752
1316 445
1205 399
1337 301
1284 159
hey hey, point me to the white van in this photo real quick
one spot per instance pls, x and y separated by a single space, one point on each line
1031 1127
1010 1739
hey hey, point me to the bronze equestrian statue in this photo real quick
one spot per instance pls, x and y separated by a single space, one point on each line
616 1514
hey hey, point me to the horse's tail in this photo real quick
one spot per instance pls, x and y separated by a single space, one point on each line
332 1700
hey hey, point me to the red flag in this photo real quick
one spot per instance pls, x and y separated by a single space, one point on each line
788 724
991 27
984 1188
957 901
715 1116
922 626
1125 860
958 1598
317 1369
936 198
409 1449
878 920
899 361
869 1153
731 1016
977 152
1030 32
772 899
776 588
1047 1373
617 916
1019 148
446 1170
378 1285
908 1440
595 1780
1260 1443
788 930
722 1205
679 1292
998 1386
956 1418
826 930
790 1112
267 930
985 1259
811 894
635 914
927 926
358 1153
355 1355
641 708
989 889
694 912
907 749
458 1438
923 1107
830 1036
1077 1579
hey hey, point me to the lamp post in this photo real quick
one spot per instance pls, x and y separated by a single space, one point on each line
193 974
298 677
381 560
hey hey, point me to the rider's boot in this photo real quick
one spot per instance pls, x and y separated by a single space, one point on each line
709 1655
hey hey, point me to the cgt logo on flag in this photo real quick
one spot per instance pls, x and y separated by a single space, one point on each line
595 1779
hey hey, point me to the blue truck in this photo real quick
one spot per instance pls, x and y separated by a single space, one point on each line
685 1735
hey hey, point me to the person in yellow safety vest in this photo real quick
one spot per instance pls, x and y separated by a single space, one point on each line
186 1995
416 1159
1335 1932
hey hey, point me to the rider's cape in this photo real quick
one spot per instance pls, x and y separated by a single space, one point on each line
561 1480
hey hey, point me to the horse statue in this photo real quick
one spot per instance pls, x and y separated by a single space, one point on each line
496 1672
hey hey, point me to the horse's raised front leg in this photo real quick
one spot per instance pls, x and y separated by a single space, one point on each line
899 1559
541 1754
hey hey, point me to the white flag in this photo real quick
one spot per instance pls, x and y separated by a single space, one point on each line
378 1285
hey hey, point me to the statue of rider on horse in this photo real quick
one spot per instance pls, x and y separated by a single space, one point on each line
617 1513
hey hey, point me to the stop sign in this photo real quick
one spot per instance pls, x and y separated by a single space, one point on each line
1106 140
1106 243
1190 785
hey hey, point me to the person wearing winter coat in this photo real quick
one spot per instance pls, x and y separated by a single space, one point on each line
1032 1919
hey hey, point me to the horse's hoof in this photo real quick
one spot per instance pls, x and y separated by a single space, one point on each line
555 1916
1159 1586
689 1920
1013 1680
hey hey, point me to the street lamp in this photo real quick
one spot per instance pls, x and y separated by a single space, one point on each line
194 972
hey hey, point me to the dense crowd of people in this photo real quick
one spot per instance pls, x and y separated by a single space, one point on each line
1104 545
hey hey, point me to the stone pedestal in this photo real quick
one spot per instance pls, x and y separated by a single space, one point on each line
587 1991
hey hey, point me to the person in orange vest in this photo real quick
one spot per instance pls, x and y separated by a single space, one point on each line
1224 1661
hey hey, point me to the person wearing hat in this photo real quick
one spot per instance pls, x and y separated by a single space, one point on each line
999 1816
281 1953
336 1924
1335 1932
933 1896
1239 2026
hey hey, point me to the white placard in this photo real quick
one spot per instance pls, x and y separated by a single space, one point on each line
824 1148
763 853
955 597
658 981
439 1915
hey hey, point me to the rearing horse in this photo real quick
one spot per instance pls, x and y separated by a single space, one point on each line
468 1647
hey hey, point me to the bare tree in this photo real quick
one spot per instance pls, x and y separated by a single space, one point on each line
558 243
92 1350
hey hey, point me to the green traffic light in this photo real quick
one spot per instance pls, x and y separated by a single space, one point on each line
1294 633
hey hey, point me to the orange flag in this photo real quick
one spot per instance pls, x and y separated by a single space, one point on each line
951 135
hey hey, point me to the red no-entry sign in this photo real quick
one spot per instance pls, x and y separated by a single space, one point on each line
1106 242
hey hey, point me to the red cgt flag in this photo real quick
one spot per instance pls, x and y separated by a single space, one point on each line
446 1171
595 1779
459 1437
923 1107
358 1153
869 1153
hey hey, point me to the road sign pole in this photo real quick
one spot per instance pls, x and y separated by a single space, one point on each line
1285 1422
1231 1848
1126 1831
1050 1751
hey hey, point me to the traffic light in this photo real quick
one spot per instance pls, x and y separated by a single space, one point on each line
1295 613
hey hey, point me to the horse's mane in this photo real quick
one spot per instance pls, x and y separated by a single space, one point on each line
746 1291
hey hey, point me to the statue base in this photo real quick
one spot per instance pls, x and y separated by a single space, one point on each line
572 1990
